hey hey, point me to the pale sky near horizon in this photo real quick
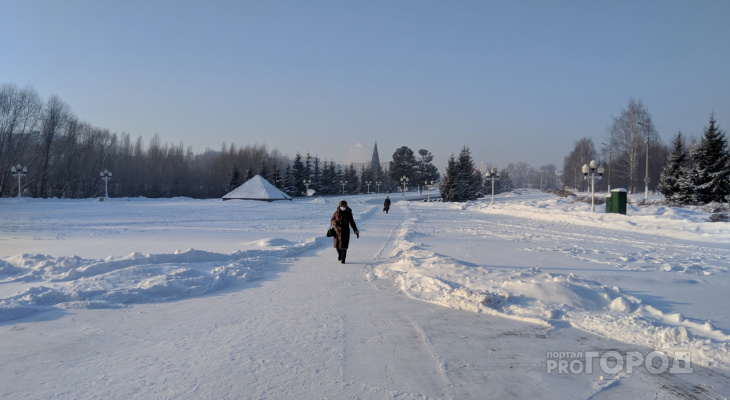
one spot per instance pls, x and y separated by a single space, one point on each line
516 81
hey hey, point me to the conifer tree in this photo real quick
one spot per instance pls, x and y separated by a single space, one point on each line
329 177
298 174
448 185
287 182
711 172
351 180
425 170
316 176
235 179
674 182
275 176
505 183
403 164
264 170
468 180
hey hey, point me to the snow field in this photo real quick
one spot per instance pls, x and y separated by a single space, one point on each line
654 279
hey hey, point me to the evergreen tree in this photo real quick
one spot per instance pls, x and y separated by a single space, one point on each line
316 177
329 178
469 180
675 183
263 170
351 180
448 185
286 184
711 173
235 179
275 176
426 171
365 176
298 175
308 167
505 183
403 164
462 181
339 181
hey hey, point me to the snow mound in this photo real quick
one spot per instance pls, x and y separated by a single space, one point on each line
536 296
74 282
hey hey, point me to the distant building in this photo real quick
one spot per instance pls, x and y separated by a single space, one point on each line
375 162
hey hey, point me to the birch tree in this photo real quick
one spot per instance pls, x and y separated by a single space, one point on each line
629 134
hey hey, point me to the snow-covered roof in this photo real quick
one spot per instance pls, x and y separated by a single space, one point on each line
257 188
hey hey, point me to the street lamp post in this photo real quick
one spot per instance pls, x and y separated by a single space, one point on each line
307 183
19 171
105 176
593 178
343 186
609 165
646 174
428 187
492 175
368 183
404 180
378 183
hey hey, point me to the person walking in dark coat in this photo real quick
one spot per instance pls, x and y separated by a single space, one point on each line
386 204
342 219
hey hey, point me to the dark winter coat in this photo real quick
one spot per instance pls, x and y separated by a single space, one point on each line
386 204
342 220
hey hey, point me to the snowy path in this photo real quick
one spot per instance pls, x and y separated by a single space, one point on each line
313 328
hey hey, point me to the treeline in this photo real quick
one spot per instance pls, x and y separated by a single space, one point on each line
61 156
464 182
690 171
623 154
64 156
700 174
309 173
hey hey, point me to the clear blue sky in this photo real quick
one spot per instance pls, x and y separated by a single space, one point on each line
513 80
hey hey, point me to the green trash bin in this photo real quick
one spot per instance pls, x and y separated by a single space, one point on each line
619 199
608 204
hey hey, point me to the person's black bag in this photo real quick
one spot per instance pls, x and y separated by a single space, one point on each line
331 231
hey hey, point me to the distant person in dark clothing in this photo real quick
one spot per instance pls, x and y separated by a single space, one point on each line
386 204
342 219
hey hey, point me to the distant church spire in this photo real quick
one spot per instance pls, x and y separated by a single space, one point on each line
375 163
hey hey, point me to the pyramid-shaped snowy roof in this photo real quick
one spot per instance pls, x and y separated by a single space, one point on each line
257 188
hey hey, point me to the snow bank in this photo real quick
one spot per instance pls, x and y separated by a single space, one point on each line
530 294
675 222
74 282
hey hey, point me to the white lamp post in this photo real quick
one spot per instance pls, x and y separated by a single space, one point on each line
593 178
343 186
492 175
106 175
428 187
307 183
378 183
404 179
609 165
19 171
368 183
646 174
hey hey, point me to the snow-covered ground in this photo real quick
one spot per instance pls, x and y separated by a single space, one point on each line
180 298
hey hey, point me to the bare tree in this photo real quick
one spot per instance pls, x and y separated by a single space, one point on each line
56 116
20 112
519 173
548 177
628 136
583 152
